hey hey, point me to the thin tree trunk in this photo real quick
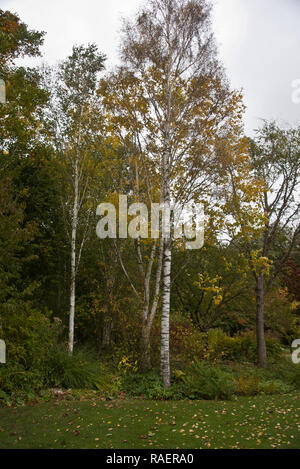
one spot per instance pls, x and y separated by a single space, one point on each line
72 294
73 263
146 345
165 316
260 328
165 191
107 330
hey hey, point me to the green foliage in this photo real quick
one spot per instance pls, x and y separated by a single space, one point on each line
29 335
282 314
287 371
57 370
178 375
239 348
15 39
204 381
79 74
200 382
209 299
213 382
253 383
147 385
17 380
247 385
127 347
69 371
274 387
186 341
14 238
20 117
223 347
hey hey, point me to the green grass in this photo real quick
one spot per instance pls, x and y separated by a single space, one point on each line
256 422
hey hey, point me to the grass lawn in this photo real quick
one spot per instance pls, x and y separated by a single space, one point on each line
256 422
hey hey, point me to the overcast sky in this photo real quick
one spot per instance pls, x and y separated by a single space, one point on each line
259 43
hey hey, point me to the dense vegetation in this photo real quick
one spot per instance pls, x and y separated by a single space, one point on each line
77 312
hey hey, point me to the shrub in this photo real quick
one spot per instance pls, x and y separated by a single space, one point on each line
186 341
288 372
247 385
127 366
79 371
29 335
239 348
208 382
178 375
148 385
252 385
76 371
205 381
16 378
18 385
251 381
274 387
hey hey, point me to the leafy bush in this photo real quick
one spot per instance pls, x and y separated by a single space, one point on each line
18 385
274 387
208 382
178 375
288 372
148 385
186 341
252 380
29 335
247 385
253 384
16 378
239 348
77 371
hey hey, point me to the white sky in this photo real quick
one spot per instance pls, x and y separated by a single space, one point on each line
259 43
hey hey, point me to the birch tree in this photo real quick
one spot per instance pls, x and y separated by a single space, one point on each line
170 52
73 115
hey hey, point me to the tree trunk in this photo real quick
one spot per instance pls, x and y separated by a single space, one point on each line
165 191
260 326
165 316
107 330
72 293
146 346
73 262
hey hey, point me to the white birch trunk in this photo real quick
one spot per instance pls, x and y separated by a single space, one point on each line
73 262
165 316
166 287
165 192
